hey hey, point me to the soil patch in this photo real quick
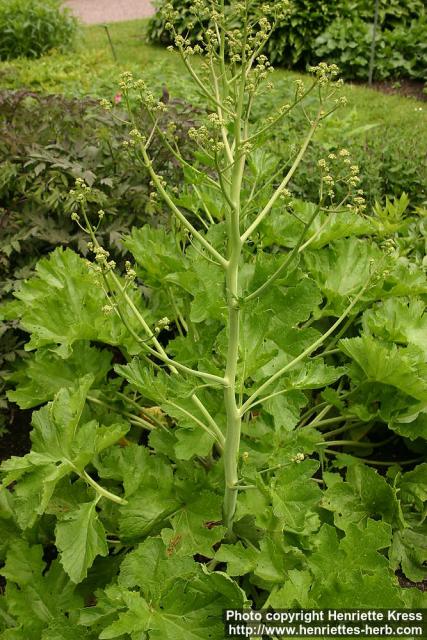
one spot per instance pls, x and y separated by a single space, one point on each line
407 88
16 440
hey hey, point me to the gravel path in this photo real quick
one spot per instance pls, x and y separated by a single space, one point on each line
100 11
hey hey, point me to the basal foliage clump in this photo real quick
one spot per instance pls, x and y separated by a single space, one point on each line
210 420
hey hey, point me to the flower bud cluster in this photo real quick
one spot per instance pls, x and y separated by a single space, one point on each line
162 324
128 84
325 73
281 9
80 193
299 89
338 168
105 104
169 13
298 458
259 73
203 137
130 272
135 138
389 246
101 258
285 195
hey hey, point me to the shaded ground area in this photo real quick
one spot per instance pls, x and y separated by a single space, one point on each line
16 440
407 88
100 11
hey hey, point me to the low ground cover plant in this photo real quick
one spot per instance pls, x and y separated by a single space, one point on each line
391 161
31 28
239 408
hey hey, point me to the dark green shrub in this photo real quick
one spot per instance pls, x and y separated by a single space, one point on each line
288 45
46 142
30 28
339 31
400 51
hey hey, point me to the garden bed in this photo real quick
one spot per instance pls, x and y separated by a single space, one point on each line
220 285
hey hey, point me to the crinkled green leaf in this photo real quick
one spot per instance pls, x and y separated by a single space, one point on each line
151 568
399 320
36 597
9 530
273 562
80 537
285 409
63 304
196 527
413 486
156 252
294 593
412 425
409 551
291 305
342 269
146 512
149 488
175 598
208 293
315 374
272 320
43 374
295 497
64 630
294 341
361 576
285 230
399 368
24 564
406 279
152 386
365 494
344 224
174 395
193 442
61 446
135 467
240 560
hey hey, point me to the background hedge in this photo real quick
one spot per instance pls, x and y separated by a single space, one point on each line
338 31
31 28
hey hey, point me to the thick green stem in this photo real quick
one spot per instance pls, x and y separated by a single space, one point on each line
234 421
234 418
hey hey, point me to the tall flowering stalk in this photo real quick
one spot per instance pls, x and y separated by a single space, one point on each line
230 71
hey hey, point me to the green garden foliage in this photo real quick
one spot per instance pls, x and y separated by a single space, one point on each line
46 143
31 28
237 404
338 31
400 52
391 163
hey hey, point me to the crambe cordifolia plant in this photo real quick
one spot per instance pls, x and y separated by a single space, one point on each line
231 76
191 410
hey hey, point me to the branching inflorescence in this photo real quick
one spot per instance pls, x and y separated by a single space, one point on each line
230 71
